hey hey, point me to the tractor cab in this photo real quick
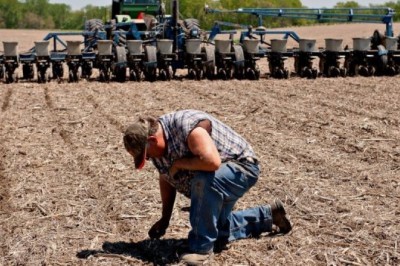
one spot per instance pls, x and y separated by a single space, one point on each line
141 12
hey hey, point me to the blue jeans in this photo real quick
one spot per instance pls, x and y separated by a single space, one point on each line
213 195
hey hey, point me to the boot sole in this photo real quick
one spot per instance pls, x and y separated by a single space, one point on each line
286 227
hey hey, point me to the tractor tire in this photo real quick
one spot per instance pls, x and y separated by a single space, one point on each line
121 40
191 23
93 25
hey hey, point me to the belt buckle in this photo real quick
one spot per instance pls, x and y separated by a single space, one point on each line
250 159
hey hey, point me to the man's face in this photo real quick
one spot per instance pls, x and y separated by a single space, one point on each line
152 149
139 157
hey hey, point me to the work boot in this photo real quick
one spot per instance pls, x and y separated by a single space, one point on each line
279 217
196 259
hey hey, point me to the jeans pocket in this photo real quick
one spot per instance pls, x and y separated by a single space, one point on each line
249 172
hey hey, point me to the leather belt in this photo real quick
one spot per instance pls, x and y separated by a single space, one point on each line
248 160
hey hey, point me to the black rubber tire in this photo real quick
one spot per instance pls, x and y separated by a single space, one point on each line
132 75
121 38
251 74
191 23
333 72
93 25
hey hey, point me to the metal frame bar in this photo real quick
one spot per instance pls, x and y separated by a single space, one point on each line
320 14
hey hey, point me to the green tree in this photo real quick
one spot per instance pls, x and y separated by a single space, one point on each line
75 20
10 13
348 4
102 13
59 14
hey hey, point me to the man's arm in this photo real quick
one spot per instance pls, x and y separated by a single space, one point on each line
168 194
206 156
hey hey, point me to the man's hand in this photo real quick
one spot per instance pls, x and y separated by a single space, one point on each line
158 229
172 170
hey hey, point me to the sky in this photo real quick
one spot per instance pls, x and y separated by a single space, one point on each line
78 4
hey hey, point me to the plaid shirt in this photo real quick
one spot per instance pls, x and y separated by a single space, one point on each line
177 127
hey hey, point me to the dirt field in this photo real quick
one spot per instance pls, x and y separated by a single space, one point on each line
329 148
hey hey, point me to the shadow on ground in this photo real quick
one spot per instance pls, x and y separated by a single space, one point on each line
158 252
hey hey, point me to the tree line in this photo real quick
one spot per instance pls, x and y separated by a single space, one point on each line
41 14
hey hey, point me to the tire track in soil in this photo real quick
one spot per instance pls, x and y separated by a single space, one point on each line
111 120
355 108
5 207
6 101
48 99
307 156
4 183
66 136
